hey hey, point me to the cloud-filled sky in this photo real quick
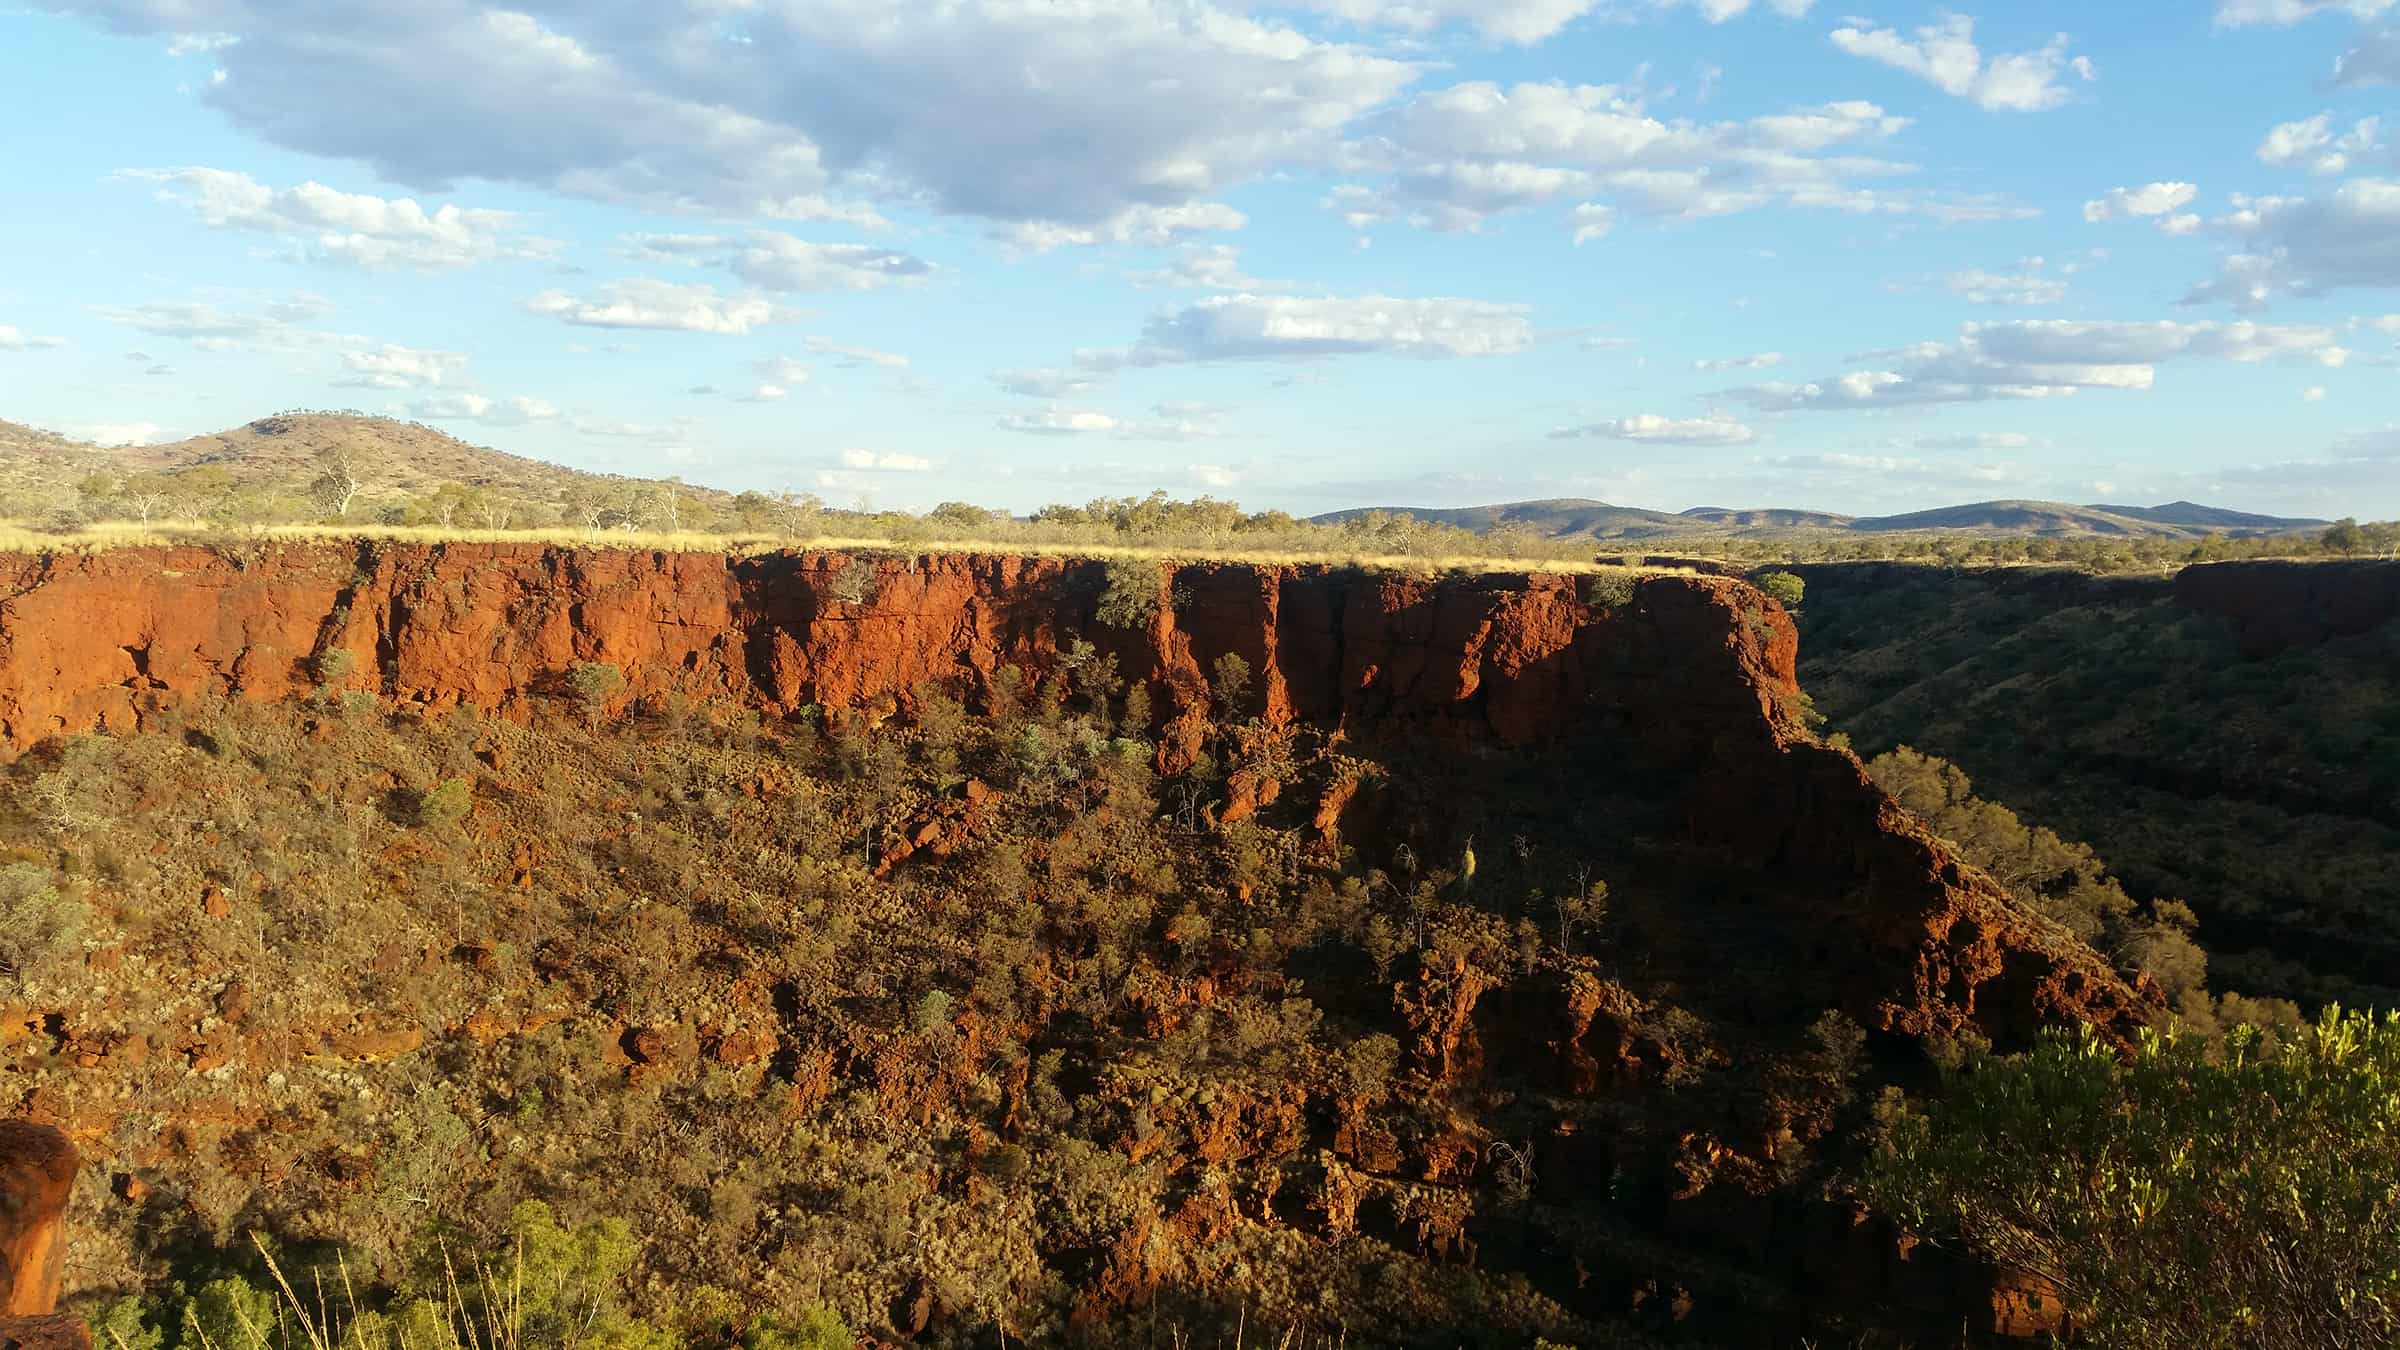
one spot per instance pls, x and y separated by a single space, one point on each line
1311 254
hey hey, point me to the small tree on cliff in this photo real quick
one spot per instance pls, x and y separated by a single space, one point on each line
1129 598
2200 1195
1783 588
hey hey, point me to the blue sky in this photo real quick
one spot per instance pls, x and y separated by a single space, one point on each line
1307 255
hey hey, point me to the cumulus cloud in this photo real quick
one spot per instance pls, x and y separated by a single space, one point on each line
1277 327
1063 421
2301 246
1210 267
2311 144
1134 225
1059 422
321 224
1652 429
1048 113
1519 21
849 357
2373 59
1046 383
1973 440
15 339
118 433
2284 13
2027 285
769 392
1756 361
885 461
397 367
275 325
1944 55
645 303
494 412
2044 358
775 261
1454 157
2152 199
1724 11
781 370
1592 221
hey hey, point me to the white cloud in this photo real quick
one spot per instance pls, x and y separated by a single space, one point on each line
644 303
2284 13
2301 246
1973 440
1454 157
1045 383
2180 224
1142 224
1063 421
848 356
1652 429
638 431
2315 393
118 433
1722 11
15 339
782 370
2044 358
1519 21
1944 55
1059 422
503 412
1592 221
1274 327
1210 267
2312 145
357 229
1756 361
204 325
1071 113
189 44
765 393
775 261
779 262
2153 199
2028 285
2373 59
885 461
397 367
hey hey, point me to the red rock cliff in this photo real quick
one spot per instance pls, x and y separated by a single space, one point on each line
1699 669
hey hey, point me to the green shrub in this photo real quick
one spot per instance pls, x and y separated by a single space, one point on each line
1231 681
1129 598
595 683
854 584
446 804
1783 588
38 922
1608 590
2201 1195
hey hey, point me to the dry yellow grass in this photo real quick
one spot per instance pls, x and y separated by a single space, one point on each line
16 538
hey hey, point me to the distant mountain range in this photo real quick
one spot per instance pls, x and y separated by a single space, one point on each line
279 455
1569 517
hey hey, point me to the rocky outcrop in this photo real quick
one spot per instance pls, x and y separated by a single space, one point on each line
2275 606
37 1169
1698 670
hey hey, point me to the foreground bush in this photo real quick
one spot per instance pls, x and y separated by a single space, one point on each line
547 1287
2232 1193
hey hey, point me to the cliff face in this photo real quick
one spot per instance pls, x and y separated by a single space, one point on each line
2275 606
1699 670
